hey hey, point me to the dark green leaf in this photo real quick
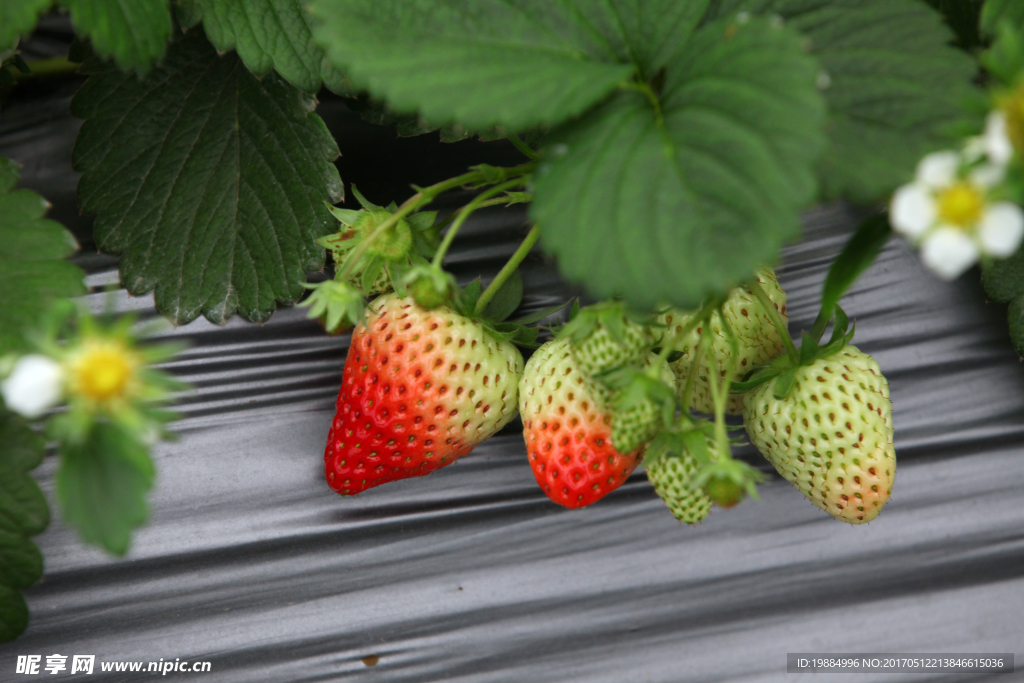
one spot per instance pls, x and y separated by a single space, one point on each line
1004 279
507 299
963 17
211 181
894 86
669 212
517 63
20 498
102 485
996 11
1016 320
18 18
134 34
267 34
32 267
537 316
21 563
13 614
857 256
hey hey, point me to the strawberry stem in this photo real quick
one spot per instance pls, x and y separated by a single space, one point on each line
777 321
506 272
518 143
422 197
466 212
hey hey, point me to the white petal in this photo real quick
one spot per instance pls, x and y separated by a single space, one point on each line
948 252
1002 228
34 386
913 210
997 142
974 149
988 176
938 170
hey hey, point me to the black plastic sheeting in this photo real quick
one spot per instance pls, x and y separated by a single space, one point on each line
252 563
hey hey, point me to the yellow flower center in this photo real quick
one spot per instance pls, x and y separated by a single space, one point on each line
961 205
103 371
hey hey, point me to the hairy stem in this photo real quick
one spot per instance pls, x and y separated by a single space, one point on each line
466 212
777 320
506 272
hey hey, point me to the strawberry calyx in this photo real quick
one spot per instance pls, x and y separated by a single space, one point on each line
385 258
810 350
727 481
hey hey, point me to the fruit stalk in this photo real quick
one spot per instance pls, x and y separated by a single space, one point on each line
506 272
518 143
466 212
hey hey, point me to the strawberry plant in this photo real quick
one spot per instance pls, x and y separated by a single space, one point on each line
667 151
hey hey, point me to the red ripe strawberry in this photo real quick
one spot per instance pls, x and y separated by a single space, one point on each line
420 389
568 436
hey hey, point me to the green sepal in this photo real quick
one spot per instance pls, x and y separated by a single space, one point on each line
466 298
537 316
784 383
506 300
373 265
857 256
363 201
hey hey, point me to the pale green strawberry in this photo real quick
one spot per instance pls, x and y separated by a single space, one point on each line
832 436
674 480
639 407
605 336
758 340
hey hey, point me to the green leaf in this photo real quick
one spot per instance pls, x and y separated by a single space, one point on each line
517 63
134 33
18 18
21 563
996 11
267 34
102 485
211 181
1004 282
669 210
32 267
1015 316
894 86
507 299
963 17
23 512
857 256
13 614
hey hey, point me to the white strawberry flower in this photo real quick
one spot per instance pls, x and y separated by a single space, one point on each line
35 385
996 139
950 214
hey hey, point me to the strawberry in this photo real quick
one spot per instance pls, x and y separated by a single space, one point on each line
603 337
420 389
674 478
568 435
758 339
832 436
640 407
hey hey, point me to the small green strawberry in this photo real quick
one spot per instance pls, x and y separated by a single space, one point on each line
607 336
758 340
674 478
831 436
643 403
727 481
407 243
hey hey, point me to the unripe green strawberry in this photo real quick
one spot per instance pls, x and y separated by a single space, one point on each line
674 480
604 336
420 389
832 436
758 340
639 407
567 434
